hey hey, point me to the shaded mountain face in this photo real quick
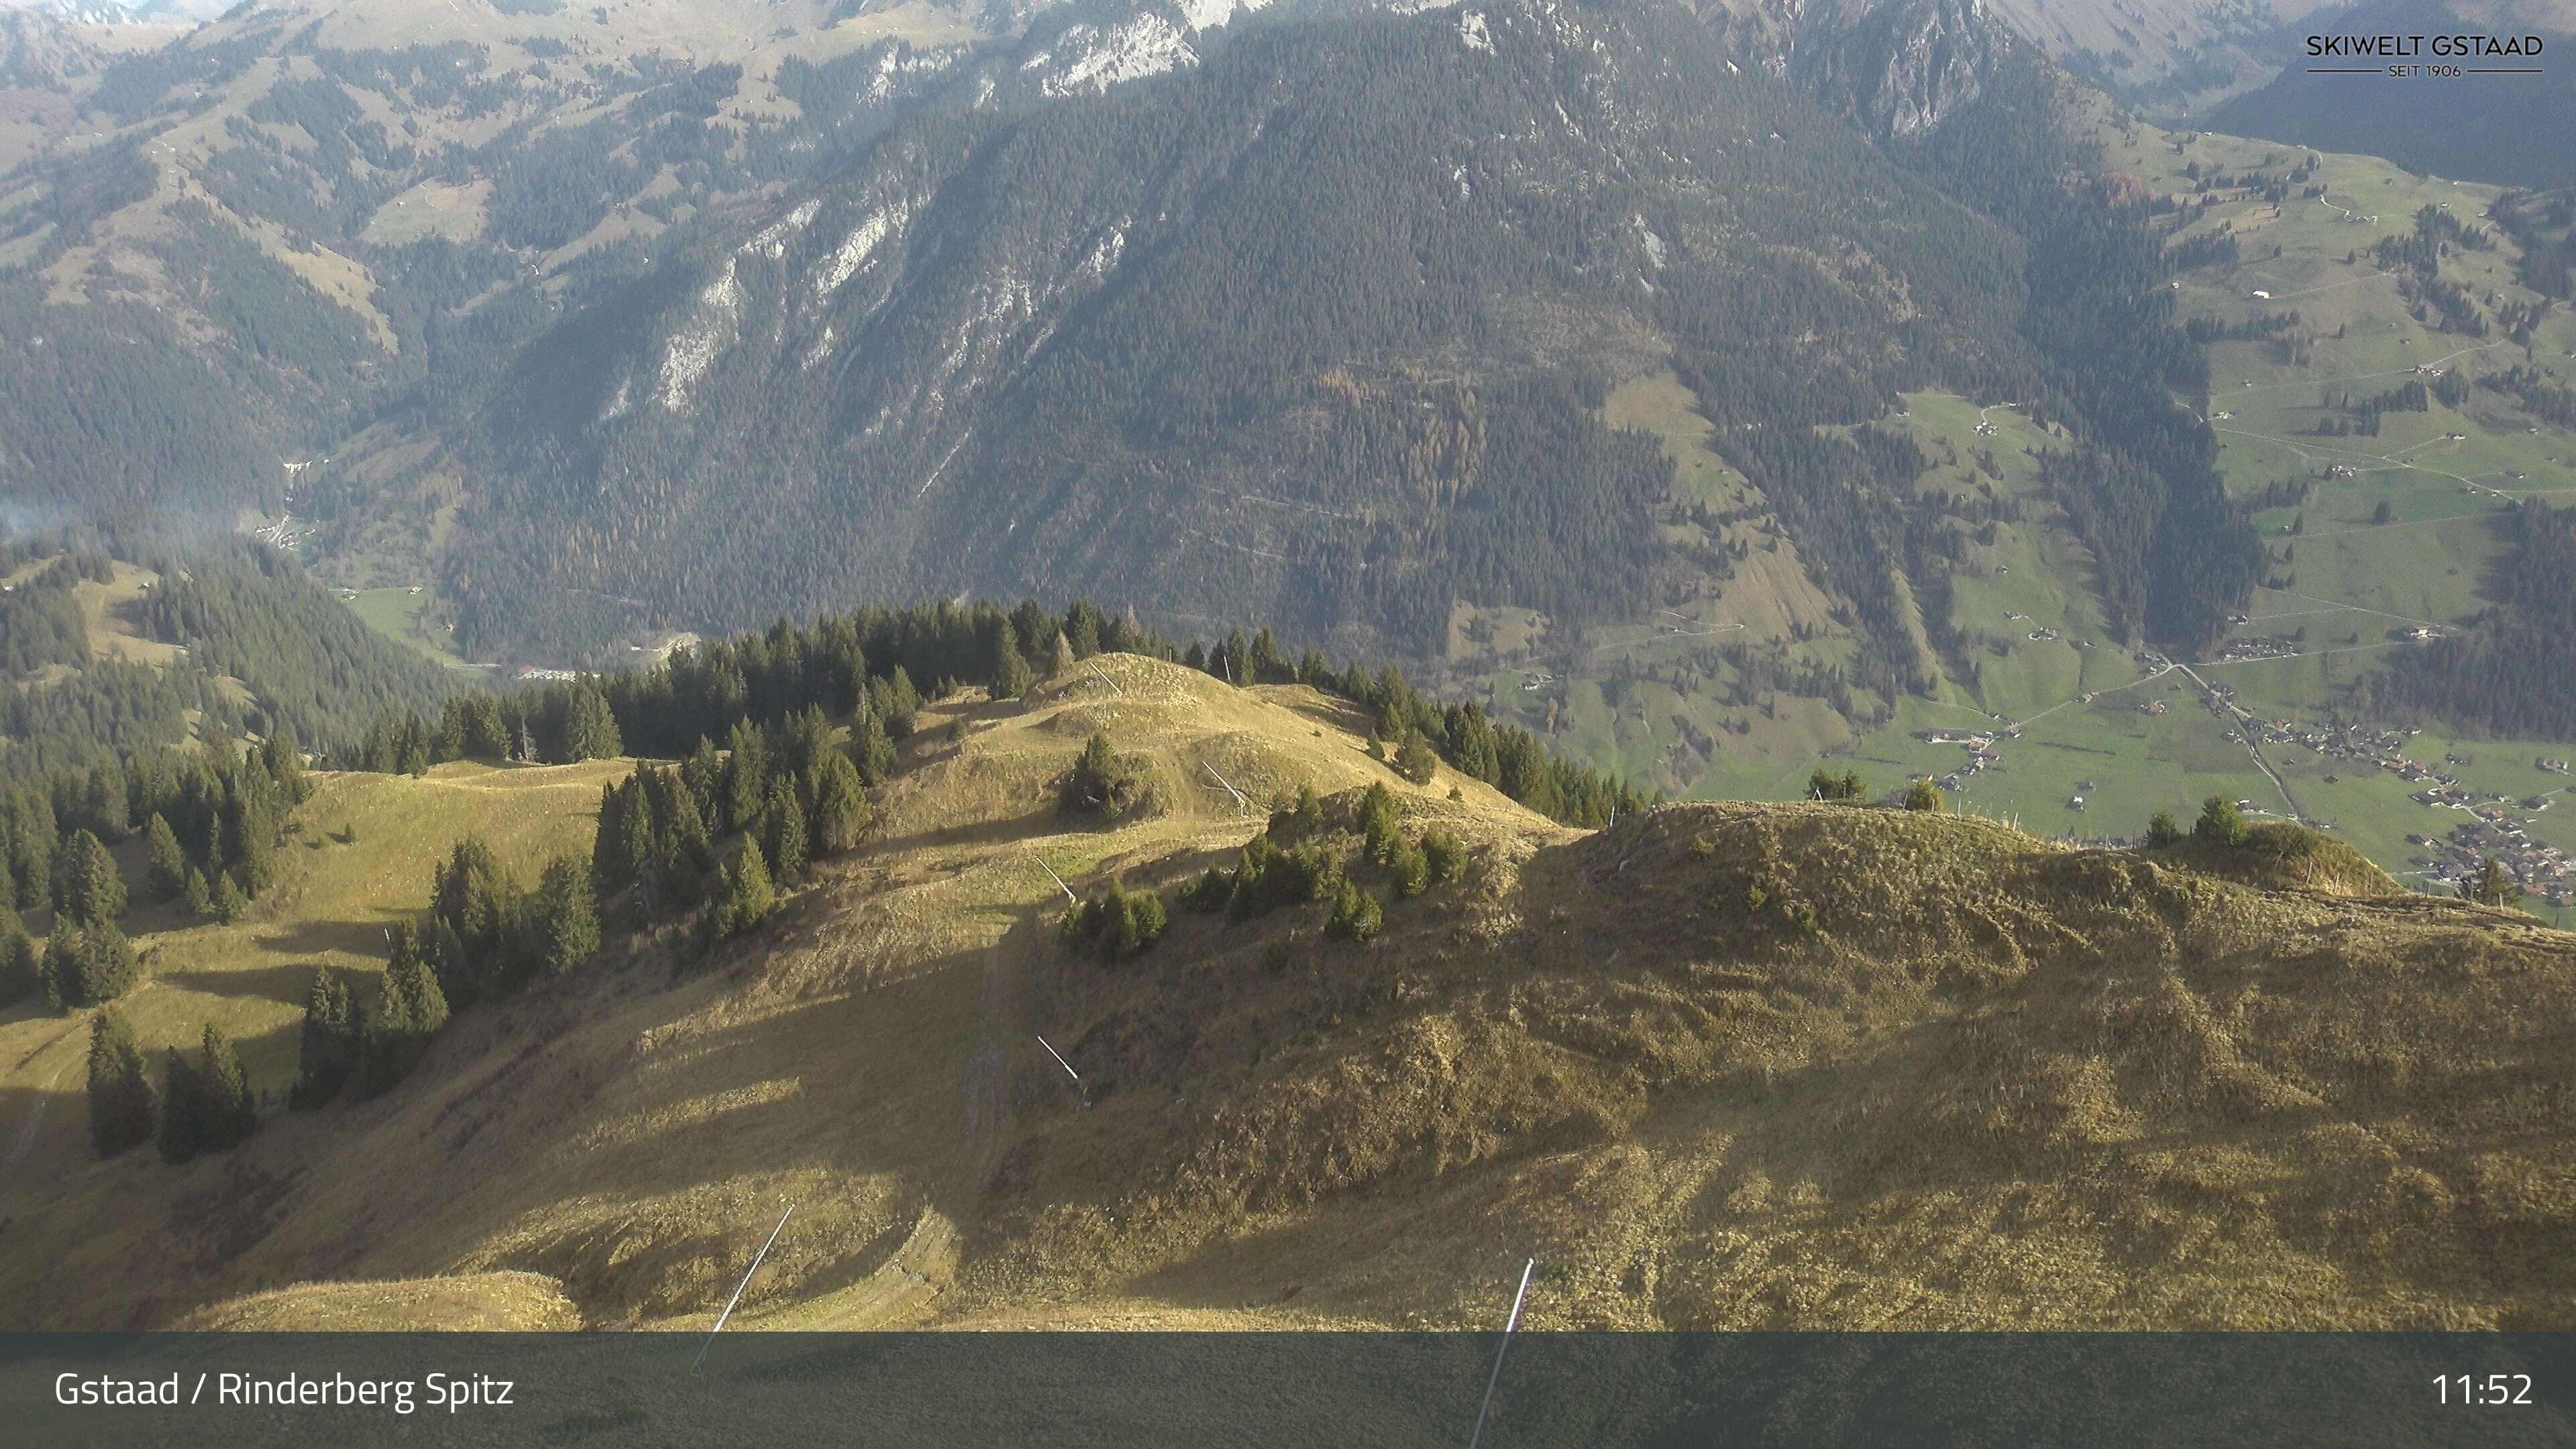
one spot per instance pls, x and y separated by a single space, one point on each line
1315 330
2170 58
2514 130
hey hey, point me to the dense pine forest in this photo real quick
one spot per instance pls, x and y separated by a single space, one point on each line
260 650
1334 360
209 817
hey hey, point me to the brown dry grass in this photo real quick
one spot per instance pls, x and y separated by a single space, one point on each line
1724 1066
477 1303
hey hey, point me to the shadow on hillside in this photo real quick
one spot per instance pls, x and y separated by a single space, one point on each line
2497 576
1043 820
287 983
269 1056
27 1117
510 1075
356 938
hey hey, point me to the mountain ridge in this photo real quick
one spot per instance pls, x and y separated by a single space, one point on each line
1723 1066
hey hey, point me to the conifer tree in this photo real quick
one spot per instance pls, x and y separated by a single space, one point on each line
2219 822
1380 822
1147 917
482 734
590 726
229 903
21 969
31 847
841 812
623 844
1926 796
256 866
1082 630
1443 853
121 1104
783 829
873 748
749 895
475 899
410 1010
746 785
1012 676
1100 783
1356 914
166 863
227 1113
2163 830
58 972
89 889
2493 886
903 701
1409 866
183 1108
193 893
412 748
87 966
1415 760
108 966
331 1042
1826 785
566 916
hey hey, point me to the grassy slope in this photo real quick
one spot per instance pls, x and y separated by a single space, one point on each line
398 614
1710 737
329 907
2433 561
2000 1082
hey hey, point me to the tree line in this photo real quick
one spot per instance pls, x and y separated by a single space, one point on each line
863 667
2510 674
210 819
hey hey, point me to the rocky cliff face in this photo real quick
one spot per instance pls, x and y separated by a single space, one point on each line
41 50
1900 68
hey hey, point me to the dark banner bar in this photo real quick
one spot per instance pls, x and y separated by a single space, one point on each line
1283 1391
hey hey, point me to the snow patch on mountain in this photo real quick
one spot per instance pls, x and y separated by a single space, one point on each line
1098 58
771 241
856 248
903 62
1654 244
1209 14
1472 32
710 330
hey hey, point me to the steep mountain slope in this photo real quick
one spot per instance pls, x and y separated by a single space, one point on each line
1317 327
245 241
2171 58
1720 1066
2515 130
